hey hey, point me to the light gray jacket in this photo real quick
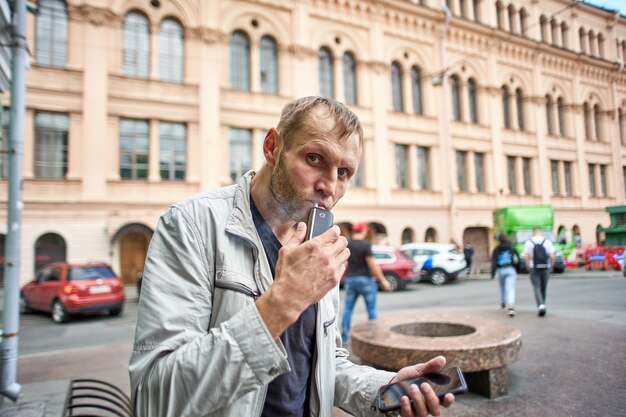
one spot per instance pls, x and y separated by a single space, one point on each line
201 347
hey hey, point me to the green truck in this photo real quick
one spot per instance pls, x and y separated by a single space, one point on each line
518 223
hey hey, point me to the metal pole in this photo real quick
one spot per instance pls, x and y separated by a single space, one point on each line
11 316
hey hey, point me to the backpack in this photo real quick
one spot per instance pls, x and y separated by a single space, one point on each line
504 259
540 256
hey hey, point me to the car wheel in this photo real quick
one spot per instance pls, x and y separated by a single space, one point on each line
438 277
115 311
59 314
24 307
394 282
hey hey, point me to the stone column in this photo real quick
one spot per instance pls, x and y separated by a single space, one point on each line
338 78
154 71
255 66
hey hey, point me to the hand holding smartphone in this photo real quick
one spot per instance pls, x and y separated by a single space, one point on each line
319 221
449 380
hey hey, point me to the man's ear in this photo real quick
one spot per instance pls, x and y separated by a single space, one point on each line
271 146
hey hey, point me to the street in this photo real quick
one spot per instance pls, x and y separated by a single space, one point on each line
584 334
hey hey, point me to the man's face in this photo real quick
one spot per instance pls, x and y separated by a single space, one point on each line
314 168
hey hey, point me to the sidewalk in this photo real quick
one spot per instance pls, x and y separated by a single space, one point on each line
567 362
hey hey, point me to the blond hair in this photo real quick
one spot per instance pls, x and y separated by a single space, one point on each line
295 117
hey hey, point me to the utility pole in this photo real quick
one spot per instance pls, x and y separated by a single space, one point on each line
10 319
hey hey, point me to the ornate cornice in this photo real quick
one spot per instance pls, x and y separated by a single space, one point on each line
97 16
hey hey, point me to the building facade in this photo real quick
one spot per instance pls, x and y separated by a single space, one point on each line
135 104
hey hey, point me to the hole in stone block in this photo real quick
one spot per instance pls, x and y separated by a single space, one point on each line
433 329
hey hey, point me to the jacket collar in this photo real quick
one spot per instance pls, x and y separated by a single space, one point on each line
240 220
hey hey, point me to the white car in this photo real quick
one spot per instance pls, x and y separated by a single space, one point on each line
442 262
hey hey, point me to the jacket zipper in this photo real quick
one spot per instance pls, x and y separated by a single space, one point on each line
236 286
327 324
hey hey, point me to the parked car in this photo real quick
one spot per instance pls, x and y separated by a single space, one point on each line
397 268
441 262
65 289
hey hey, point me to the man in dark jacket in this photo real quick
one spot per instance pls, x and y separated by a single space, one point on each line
504 265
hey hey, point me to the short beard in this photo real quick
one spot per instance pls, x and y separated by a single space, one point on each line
287 196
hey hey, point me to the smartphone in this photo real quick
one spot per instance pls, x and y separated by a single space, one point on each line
449 380
319 221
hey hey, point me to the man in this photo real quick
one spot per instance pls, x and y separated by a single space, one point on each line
468 253
237 315
361 267
539 256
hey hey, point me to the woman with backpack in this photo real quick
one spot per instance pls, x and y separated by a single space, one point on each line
504 265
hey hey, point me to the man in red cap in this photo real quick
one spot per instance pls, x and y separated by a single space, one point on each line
361 267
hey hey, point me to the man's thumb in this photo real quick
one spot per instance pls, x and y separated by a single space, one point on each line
298 235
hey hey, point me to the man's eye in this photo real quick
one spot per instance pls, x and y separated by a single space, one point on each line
344 172
313 158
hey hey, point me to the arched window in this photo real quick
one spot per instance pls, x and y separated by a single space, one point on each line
240 61
587 120
171 51
523 21
506 110
549 105
431 235
543 23
51 33
407 235
511 13
416 88
136 45
473 102
349 78
476 6
560 111
600 45
555 32
564 35
597 121
49 248
499 11
269 65
582 38
396 87
456 97
325 63
519 103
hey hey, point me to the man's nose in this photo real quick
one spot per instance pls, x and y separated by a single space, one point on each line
327 184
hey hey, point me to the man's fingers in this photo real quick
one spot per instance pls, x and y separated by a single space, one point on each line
298 235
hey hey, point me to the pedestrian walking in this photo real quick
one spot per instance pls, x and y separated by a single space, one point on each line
361 268
539 256
504 265
468 252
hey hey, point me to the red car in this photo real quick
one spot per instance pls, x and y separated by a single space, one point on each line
397 268
65 289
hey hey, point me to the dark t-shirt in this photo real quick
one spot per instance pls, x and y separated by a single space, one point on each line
287 395
359 250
